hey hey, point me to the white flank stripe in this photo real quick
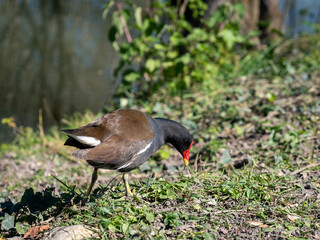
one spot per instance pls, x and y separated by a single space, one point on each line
141 151
126 165
91 141
145 149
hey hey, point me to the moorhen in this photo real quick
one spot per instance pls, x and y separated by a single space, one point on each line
124 139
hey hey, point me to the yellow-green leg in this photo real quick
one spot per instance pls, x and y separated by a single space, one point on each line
125 178
93 180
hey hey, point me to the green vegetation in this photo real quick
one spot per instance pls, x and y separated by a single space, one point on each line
254 114
172 55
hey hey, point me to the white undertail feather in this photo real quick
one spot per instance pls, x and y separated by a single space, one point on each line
91 141
145 149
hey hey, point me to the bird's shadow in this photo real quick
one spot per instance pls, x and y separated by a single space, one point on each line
46 204
38 207
40 204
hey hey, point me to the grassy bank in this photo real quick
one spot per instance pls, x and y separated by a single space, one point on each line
254 172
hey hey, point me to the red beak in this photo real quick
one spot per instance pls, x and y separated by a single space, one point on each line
186 155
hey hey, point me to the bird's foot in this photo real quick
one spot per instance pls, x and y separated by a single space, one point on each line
130 193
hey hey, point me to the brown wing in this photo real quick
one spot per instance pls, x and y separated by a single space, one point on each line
112 153
129 124
122 133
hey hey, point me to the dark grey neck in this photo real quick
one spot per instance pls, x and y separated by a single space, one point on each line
169 131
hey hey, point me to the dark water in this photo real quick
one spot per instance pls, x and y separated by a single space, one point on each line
300 16
54 56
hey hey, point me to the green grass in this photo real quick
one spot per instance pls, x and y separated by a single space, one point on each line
202 205
256 175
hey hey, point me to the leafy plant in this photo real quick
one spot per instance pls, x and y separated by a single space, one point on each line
172 219
162 49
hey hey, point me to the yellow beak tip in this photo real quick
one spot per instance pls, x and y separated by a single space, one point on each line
186 162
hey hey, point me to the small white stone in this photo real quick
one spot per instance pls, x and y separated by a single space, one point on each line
77 232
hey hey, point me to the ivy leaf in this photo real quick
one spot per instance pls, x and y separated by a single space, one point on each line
8 222
226 157
21 228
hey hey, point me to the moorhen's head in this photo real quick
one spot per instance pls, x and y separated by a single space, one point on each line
181 139
184 145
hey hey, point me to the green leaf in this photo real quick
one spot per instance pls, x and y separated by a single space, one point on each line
106 210
106 9
197 206
105 223
149 217
21 228
230 37
159 47
198 34
116 21
164 153
271 97
8 222
172 54
125 227
226 157
146 24
290 68
132 77
138 16
163 196
239 130
239 8
185 58
112 228
152 64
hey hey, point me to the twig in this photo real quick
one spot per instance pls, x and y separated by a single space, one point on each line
196 162
47 110
124 24
304 168
183 7
313 144
41 124
146 76
227 211
67 186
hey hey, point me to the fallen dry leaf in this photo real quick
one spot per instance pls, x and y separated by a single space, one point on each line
257 224
36 232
